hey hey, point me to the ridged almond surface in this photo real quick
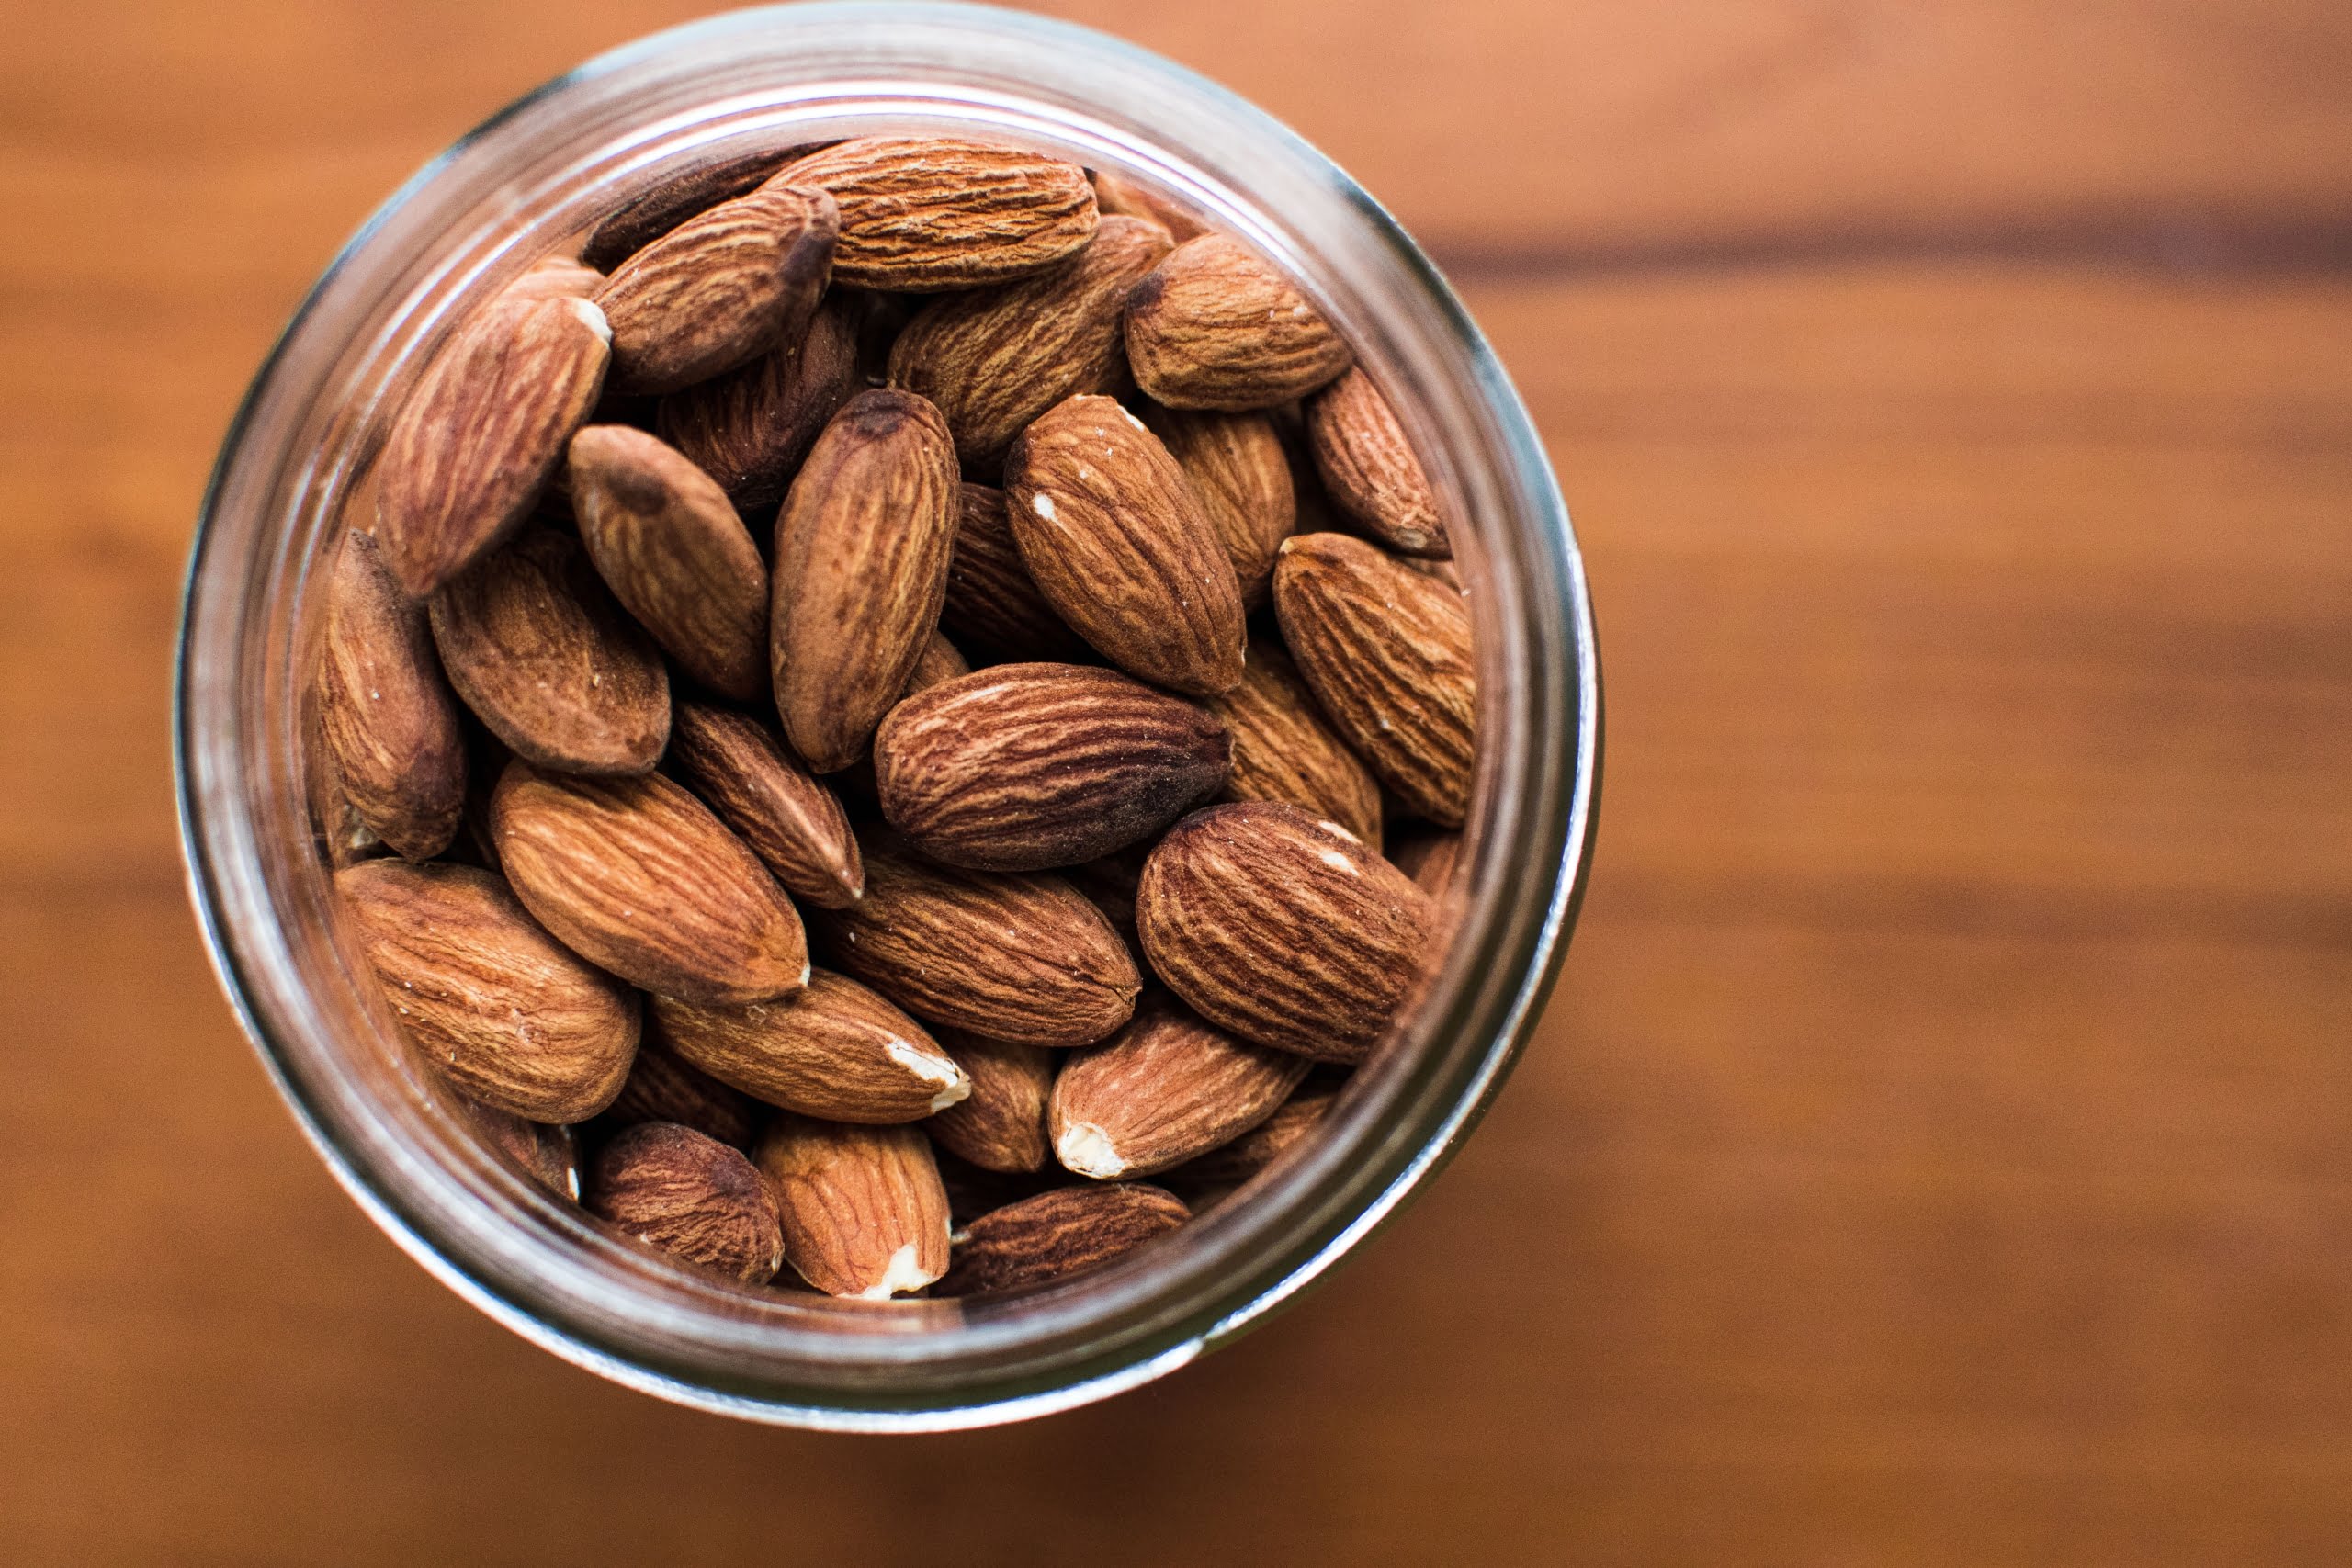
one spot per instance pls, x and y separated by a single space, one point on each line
1282 928
831 1049
862 548
749 428
1116 540
548 1155
1213 326
1166 1088
1231 1164
1057 1234
661 207
691 1196
668 542
994 359
386 716
744 771
1021 958
534 642
1000 1127
1428 858
1370 471
992 602
1116 193
637 876
474 444
665 1087
1387 652
1282 749
556 278
940 663
1241 474
864 1214
925 213
494 1003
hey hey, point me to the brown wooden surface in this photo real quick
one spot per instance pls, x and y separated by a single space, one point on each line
1936 1152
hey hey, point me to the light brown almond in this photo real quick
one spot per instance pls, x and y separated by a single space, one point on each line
386 717
692 1197
1213 326
1116 193
1282 748
749 428
1428 858
940 663
1166 1088
556 278
1000 1127
1241 474
991 600
1369 470
831 1049
1057 1234
665 1087
661 207
547 1154
744 771
864 1214
925 213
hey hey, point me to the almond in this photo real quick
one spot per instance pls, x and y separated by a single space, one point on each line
637 876
743 769
749 428
991 599
994 359
831 1049
1116 193
1368 468
1108 885
653 212
386 717
940 663
1021 767
1166 1088
556 278
548 1155
1116 541
1241 475
690 1196
1019 958
1387 652
490 999
1284 750
861 565
1230 1165
665 1087
1428 858
667 542
1215 327
864 1214
474 444
921 213
1057 1234
1000 1127
1282 928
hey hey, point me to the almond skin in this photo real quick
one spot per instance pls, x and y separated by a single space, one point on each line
831 1049
743 769
665 1087
547 1154
387 717
1387 652
1241 474
751 428
556 278
922 213
992 602
1057 1234
1282 928
474 444
1114 193
862 548
994 359
1230 1165
668 542
940 663
1019 958
637 876
1166 1088
1116 541
1215 327
691 1196
534 644
1428 858
1022 767
864 1214
495 1004
1000 1127
1370 471
651 214
1282 749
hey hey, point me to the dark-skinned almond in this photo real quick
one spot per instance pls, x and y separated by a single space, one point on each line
689 1195
1057 1234
387 717
751 428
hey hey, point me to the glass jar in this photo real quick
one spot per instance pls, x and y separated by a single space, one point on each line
538 174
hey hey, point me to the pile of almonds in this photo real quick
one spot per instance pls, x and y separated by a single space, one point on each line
1106 623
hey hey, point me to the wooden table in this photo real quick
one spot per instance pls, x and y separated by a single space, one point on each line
1936 1152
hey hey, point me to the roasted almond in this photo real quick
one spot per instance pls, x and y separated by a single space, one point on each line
923 213
1000 1125
1428 858
1164 1089
749 428
1282 928
658 208
940 663
556 278
1368 468
386 717
1241 474
665 1087
1057 1234
1284 750
547 1154
743 769
864 1214
1114 193
668 542
1215 327
534 644
1021 767
1231 1164
495 1005
862 549
691 1196
475 441
1019 958
637 876
991 600
831 1049
1108 885
1387 652
1116 541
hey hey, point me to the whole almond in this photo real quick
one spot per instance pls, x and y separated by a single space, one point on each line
534 642
1116 193
743 769
1000 1127
547 1154
831 1049
691 1196
991 599
1231 1164
864 1214
1428 858
1215 327
386 717
1166 1088
474 444
637 876
1387 652
491 1000
994 359
665 1087
923 213
1022 767
749 428
1019 958
861 565
653 212
1241 474
1282 928
668 542
1368 468
1057 1234
1282 749
1116 541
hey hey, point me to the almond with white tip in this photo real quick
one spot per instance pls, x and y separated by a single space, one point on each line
832 1049
864 1214
1166 1088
